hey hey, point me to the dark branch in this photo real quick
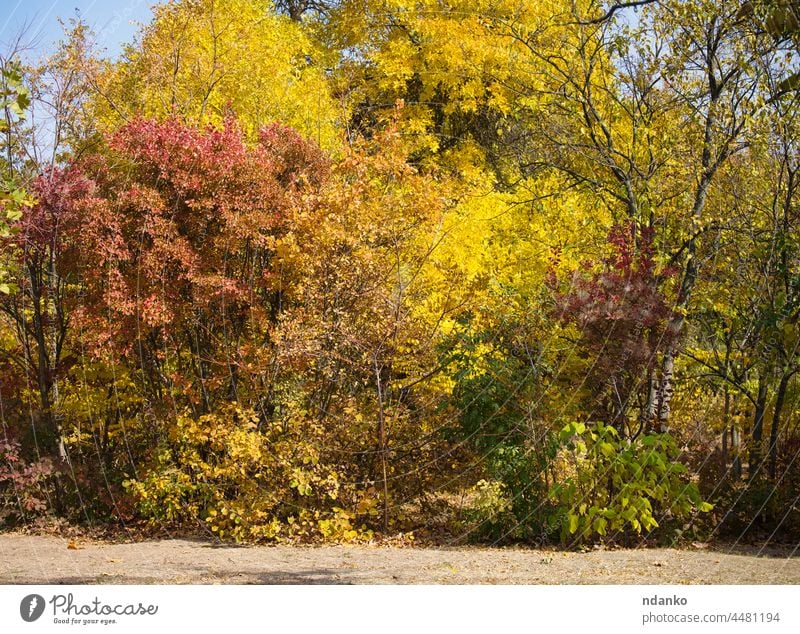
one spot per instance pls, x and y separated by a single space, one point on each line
617 7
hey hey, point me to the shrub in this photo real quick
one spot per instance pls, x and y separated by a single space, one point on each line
488 514
497 391
243 483
613 486
22 484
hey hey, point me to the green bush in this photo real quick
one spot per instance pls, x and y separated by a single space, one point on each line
613 486
497 391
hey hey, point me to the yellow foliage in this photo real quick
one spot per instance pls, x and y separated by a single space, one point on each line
206 59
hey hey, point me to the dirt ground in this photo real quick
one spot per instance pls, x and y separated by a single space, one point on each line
26 559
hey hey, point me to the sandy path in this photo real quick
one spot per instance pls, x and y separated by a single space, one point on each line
26 559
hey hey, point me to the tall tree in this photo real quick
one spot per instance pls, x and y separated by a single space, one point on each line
203 61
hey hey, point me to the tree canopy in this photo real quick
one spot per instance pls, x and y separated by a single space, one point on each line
457 269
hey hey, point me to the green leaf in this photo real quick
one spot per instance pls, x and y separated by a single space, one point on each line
607 449
600 525
573 523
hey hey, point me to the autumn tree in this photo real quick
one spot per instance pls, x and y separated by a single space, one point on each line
14 101
621 315
203 61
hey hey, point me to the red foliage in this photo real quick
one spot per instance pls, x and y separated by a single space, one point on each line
20 482
41 255
621 312
56 193
179 244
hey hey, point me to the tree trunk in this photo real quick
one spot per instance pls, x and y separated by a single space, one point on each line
726 417
649 412
382 443
756 454
43 370
776 421
666 387
736 443
709 165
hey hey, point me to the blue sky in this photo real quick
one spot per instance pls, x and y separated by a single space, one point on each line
112 20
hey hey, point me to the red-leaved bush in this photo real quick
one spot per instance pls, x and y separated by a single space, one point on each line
621 313
21 484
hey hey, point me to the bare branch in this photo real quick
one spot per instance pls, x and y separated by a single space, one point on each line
614 8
